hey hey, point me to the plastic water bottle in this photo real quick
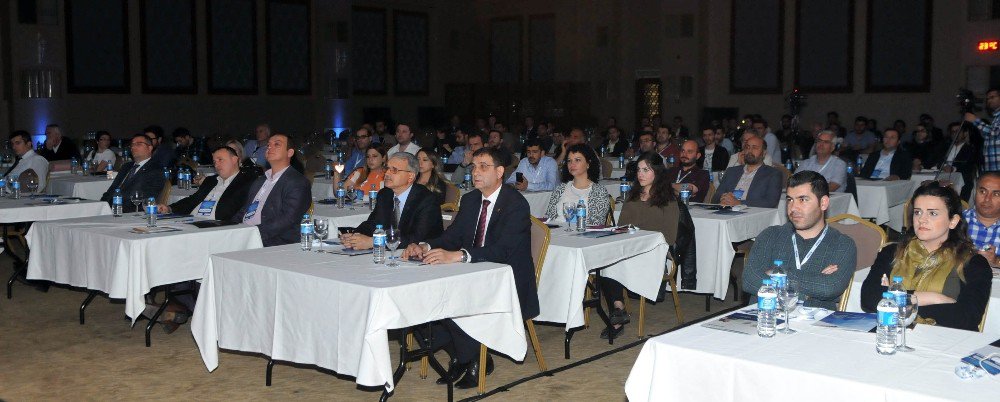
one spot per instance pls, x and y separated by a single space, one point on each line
378 245
671 161
74 166
372 195
858 165
621 161
778 275
306 233
788 165
900 296
581 216
341 193
767 309
850 170
116 203
86 168
467 180
444 159
166 174
624 187
604 151
16 189
328 169
888 320
151 212
109 168
686 196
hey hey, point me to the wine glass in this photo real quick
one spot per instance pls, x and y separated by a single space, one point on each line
322 229
137 201
392 241
32 185
569 212
788 296
907 313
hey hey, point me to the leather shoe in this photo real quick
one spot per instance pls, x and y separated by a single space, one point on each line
471 378
455 370
612 332
619 317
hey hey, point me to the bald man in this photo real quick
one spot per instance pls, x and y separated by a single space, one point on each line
754 183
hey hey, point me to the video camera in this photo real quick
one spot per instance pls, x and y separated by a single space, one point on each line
796 101
968 102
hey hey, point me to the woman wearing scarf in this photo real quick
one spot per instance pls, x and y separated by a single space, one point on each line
938 263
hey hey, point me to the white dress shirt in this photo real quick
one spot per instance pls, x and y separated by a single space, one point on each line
36 162
216 194
489 211
411 148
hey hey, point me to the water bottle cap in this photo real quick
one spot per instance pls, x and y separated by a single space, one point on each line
151 199
306 216
767 282
887 295
778 262
897 279
378 226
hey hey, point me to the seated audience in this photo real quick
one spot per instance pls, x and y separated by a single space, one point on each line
615 145
495 140
833 169
760 184
938 262
821 259
219 196
457 155
714 157
367 177
580 177
736 159
505 238
429 174
404 141
891 163
277 201
163 156
57 147
26 159
536 172
102 156
140 175
859 141
256 148
185 147
575 136
474 141
665 144
960 158
688 172
444 142
409 207
926 152
358 155
983 217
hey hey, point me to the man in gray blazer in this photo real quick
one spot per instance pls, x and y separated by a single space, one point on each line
277 200
757 184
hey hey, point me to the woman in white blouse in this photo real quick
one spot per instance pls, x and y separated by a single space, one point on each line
580 174
102 156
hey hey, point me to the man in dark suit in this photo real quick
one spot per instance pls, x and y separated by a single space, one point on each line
58 148
277 201
492 224
219 196
892 162
409 207
138 175
760 184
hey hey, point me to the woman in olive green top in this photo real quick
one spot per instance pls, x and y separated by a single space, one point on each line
651 206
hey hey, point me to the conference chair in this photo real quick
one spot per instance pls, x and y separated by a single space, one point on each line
671 279
868 237
606 168
452 195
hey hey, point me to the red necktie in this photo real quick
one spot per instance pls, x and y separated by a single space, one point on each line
481 229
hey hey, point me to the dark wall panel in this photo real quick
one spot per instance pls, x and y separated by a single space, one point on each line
412 53
505 49
289 62
756 46
368 51
97 46
232 46
168 46
899 46
824 45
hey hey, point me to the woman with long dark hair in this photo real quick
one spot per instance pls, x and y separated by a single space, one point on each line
430 173
369 176
580 175
937 261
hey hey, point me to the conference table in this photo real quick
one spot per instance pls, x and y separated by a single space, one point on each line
105 254
883 200
957 181
335 311
697 363
992 308
88 187
27 209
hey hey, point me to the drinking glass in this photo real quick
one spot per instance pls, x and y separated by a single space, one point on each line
137 201
32 186
392 241
788 296
569 211
907 313
322 229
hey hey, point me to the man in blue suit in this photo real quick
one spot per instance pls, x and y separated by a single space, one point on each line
757 184
142 174
492 224
277 200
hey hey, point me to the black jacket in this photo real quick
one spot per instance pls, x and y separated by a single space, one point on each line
902 164
231 200
620 147
419 221
508 240
148 180
282 212
67 150
719 162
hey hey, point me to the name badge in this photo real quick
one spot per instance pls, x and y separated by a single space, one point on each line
251 210
206 207
877 173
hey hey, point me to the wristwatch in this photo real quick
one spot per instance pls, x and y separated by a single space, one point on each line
466 257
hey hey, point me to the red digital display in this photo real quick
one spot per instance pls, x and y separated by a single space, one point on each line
987 46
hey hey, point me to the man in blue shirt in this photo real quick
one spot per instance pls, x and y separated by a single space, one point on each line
990 131
362 139
984 218
537 171
256 149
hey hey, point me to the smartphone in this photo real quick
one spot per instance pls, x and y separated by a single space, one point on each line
520 177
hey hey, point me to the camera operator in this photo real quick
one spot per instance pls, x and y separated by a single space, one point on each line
989 131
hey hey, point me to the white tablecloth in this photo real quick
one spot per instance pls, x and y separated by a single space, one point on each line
334 311
177 194
341 217
322 188
956 178
101 253
634 260
28 210
818 364
86 187
883 200
992 313
714 235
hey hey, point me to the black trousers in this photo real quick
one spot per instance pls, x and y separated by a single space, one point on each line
611 290
448 336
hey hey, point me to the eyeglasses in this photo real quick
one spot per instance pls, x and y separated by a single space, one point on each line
393 170
362 136
482 167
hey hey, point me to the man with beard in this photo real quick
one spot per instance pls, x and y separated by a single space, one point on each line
688 172
754 183
820 258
